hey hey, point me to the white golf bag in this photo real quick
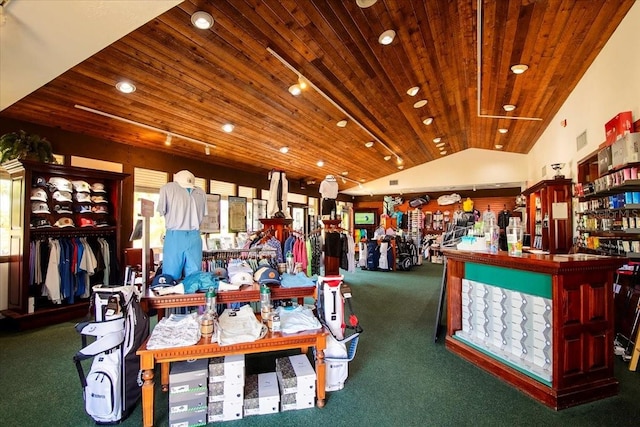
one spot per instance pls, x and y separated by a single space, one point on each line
341 349
112 388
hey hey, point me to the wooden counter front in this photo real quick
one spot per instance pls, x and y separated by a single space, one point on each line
543 323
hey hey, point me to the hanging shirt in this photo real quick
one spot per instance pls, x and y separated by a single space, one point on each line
182 208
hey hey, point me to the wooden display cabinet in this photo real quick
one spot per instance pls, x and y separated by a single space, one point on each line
27 308
550 215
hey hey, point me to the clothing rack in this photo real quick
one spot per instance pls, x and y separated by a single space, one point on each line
70 232
256 252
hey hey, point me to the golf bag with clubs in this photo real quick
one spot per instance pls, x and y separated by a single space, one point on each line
112 388
341 348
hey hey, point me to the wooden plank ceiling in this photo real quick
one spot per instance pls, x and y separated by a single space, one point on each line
190 81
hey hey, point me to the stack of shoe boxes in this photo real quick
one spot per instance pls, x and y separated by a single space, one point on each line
297 382
226 388
188 393
261 394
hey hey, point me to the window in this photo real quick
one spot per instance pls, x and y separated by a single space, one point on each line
102 165
224 189
147 184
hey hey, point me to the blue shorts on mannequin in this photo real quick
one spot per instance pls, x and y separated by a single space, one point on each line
182 252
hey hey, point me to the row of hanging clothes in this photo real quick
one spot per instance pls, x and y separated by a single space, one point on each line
339 250
65 268
377 254
254 257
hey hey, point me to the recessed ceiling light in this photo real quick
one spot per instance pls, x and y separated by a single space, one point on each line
509 107
503 130
228 127
428 121
362 180
498 147
400 167
413 91
519 68
284 150
125 87
341 123
387 158
365 3
442 144
387 37
303 83
443 152
345 173
202 20
368 144
437 139
295 90
320 163
420 103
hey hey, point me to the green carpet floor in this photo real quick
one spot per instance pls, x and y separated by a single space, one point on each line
399 376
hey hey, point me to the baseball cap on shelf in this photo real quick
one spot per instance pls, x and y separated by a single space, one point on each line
64 222
40 223
39 207
39 194
98 187
267 275
102 223
87 222
83 198
100 209
81 186
60 184
39 181
162 280
99 199
62 196
63 208
220 273
241 278
83 209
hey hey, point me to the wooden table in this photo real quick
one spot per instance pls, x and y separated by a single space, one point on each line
274 341
247 293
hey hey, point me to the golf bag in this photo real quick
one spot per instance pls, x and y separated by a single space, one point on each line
112 388
341 349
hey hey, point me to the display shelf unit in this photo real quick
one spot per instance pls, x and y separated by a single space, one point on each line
549 205
601 228
27 308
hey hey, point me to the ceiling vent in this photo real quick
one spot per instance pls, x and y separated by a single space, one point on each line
581 141
393 182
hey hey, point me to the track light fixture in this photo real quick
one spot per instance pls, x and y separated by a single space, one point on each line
325 96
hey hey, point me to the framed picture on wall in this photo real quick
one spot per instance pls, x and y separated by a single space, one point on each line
211 221
237 214
259 211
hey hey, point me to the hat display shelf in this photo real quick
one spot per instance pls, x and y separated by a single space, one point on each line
26 307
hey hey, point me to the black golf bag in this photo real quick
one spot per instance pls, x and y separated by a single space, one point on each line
112 388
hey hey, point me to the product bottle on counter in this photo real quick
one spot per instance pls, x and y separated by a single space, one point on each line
207 321
265 303
290 263
491 236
